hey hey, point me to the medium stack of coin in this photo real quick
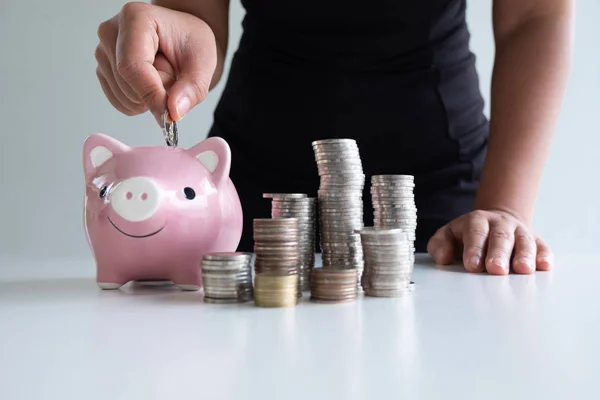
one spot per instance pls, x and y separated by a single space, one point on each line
394 204
334 285
276 248
303 208
340 201
273 290
388 263
227 277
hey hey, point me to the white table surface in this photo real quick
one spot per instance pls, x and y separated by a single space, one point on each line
459 336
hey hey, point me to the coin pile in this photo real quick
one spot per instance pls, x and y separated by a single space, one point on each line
334 285
277 260
275 290
394 204
303 208
388 263
340 200
227 277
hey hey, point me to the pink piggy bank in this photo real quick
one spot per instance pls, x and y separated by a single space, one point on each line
151 213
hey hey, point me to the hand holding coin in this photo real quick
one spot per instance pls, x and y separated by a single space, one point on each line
152 58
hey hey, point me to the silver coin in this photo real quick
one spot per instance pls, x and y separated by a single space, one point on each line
324 159
396 211
391 178
340 202
227 277
302 205
230 256
342 177
169 129
277 196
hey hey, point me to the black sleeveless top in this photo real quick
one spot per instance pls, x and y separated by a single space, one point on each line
395 75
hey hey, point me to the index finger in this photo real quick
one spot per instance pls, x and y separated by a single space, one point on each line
137 44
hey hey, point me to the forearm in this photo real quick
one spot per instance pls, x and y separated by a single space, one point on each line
528 82
215 13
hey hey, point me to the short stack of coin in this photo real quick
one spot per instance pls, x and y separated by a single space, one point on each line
227 277
340 200
388 262
271 290
277 259
334 285
303 208
394 204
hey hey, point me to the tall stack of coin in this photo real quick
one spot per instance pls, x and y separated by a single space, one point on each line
277 260
388 263
303 208
394 204
334 285
340 200
227 277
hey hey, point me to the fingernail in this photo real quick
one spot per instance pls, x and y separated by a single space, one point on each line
474 262
183 106
524 261
499 261
544 260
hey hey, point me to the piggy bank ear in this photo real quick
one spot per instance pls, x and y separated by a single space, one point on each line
98 149
214 153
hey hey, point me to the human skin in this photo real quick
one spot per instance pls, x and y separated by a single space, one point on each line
533 56
180 45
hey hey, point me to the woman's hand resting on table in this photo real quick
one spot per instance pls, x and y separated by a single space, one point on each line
491 241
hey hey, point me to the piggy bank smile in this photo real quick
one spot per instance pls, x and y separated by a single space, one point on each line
135 207
134 236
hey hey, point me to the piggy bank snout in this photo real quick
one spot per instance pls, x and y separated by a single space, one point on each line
136 199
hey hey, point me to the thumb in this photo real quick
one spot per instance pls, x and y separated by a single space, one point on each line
198 64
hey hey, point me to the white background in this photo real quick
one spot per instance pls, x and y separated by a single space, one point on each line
51 101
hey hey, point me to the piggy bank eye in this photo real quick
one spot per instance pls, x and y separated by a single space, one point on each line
189 193
103 192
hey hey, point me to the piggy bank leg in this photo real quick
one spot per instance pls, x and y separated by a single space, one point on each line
107 280
109 285
189 278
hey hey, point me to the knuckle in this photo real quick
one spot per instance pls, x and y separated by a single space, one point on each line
98 54
103 29
149 96
524 237
524 254
506 216
132 72
478 214
200 88
127 67
547 251
477 231
500 251
475 248
501 234
133 9
541 244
